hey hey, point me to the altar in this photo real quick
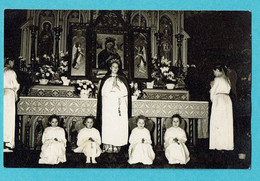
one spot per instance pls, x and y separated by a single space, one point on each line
31 108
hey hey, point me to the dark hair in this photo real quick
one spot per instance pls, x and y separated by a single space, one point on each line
177 116
141 117
54 116
88 117
7 60
220 68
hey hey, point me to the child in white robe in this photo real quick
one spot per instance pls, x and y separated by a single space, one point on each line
174 143
140 149
89 140
53 150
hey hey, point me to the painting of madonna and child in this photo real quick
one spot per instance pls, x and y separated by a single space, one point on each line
203 122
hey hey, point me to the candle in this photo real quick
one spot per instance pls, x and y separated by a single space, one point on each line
179 22
58 18
79 16
158 21
139 20
34 18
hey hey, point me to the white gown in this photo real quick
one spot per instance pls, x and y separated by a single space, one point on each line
11 86
89 148
176 152
221 118
140 152
114 113
53 152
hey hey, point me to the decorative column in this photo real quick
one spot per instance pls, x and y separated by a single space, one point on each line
179 38
33 30
57 31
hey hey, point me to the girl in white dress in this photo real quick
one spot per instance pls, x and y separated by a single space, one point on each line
11 86
140 149
113 108
174 143
89 140
221 118
53 150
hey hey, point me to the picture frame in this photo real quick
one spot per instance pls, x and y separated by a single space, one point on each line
101 39
79 63
140 54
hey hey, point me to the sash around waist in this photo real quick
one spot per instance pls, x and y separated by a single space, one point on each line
223 94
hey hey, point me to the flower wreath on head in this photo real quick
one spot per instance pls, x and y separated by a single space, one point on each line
114 61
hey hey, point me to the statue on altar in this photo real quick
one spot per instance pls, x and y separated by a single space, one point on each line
46 40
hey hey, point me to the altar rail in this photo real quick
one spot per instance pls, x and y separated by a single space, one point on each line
45 106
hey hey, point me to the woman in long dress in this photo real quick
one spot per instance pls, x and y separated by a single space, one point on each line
140 149
114 108
53 150
11 86
176 151
221 119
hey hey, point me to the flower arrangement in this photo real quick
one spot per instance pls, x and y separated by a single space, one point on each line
86 87
47 60
63 65
135 91
45 72
163 71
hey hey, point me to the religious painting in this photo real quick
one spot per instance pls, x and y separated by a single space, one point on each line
46 39
78 52
141 54
108 45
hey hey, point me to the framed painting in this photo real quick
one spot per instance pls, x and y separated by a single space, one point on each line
108 44
141 54
79 52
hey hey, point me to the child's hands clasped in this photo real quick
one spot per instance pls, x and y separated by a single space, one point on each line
91 139
143 140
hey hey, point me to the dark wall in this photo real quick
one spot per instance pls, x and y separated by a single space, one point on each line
220 37
13 19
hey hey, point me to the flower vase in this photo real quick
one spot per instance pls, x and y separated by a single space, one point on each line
84 94
170 85
65 80
134 98
149 85
43 81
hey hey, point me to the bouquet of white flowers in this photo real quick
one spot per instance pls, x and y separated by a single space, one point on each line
86 87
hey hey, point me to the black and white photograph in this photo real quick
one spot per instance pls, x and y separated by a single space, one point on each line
135 89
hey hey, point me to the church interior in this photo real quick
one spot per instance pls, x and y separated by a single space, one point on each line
58 52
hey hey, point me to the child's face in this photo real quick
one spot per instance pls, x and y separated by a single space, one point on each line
89 123
175 122
114 68
140 123
54 122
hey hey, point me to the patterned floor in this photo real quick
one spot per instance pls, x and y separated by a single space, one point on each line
201 157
